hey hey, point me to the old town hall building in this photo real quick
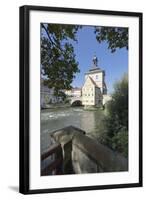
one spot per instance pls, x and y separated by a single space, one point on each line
94 90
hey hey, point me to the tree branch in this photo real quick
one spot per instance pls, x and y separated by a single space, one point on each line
53 43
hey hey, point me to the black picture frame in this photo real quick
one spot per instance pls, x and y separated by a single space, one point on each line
25 105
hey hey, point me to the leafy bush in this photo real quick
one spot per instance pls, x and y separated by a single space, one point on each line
120 142
113 130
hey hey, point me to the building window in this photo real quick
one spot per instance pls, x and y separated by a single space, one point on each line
96 76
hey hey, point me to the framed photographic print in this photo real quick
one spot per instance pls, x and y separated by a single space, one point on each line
80 99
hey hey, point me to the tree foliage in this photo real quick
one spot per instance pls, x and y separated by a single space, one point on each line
113 131
116 37
58 63
118 106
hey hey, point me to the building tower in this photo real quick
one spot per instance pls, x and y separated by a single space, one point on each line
94 88
97 75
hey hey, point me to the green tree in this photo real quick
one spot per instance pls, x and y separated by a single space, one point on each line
58 63
118 106
116 37
113 130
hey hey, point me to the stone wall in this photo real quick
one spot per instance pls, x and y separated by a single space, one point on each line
90 156
82 154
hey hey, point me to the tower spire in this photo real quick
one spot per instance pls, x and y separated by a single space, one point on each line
95 61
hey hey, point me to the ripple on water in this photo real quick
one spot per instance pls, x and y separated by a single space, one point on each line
50 116
52 120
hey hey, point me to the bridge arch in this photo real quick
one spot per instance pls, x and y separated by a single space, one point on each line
76 103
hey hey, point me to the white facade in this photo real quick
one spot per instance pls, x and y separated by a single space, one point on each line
94 89
98 76
91 93
74 92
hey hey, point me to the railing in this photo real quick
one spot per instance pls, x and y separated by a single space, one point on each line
53 166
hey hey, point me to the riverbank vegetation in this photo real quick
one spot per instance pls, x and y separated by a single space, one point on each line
113 128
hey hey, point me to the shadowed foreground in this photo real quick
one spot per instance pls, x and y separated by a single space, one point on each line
74 152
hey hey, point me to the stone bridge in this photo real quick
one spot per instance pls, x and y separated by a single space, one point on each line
78 100
75 100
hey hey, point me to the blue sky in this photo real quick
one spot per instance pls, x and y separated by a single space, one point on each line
115 64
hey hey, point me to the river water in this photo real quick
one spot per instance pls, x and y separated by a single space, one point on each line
54 119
